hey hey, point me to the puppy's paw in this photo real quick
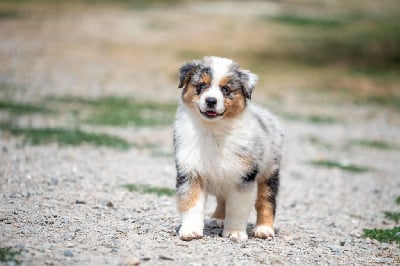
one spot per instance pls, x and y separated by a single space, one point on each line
215 223
264 231
190 232
239 236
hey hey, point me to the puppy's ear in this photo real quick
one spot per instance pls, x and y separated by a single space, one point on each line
186 71
248 80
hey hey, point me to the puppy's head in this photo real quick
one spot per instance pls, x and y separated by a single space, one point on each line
216 87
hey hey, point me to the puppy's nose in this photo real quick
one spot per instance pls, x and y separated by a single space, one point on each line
211 101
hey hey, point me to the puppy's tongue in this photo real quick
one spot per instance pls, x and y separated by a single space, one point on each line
211 113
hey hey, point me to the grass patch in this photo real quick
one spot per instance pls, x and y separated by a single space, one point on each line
319 142
9 14
359 41
306 21
74 137
8 255
398 200
123 112
22 108
314 119
384 235
376 144
147 189
393 216
340 165
389 100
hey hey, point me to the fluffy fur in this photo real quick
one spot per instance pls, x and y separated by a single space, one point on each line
225 146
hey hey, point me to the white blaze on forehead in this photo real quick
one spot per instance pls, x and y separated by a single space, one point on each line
219 69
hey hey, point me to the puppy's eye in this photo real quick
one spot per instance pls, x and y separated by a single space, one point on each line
225 90
201 87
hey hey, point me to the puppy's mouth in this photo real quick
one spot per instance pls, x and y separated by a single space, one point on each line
210 113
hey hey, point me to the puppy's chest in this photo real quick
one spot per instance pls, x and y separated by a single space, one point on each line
220 159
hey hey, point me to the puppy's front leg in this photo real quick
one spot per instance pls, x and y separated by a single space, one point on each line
238 208
191 201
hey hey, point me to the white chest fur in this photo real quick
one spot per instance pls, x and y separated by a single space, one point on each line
221 153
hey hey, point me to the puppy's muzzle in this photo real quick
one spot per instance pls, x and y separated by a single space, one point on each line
211 112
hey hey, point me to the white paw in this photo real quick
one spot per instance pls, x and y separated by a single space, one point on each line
214 223
239 236
189 232
264 231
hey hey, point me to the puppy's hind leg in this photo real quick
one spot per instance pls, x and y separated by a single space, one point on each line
191 199
266 205
217 219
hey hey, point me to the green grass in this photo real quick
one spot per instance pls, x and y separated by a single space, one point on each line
116 111
74 137
384 235
22 108
123 112
307 21
313 118
8 255
393 216
147 189
361 41
340 165
392 101
319 142
9 14
376 144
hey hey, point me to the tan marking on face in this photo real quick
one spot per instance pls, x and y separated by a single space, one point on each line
189 200
189 93
206 78
264 208
224 81
190 96
219 212
235 104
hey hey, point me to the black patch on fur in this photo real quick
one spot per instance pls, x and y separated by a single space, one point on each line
207 70
180 180
262 124
244 80
273 186
251 175
186 71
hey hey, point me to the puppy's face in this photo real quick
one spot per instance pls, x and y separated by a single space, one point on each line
216 87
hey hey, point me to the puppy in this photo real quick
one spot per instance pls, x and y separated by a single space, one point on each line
225 146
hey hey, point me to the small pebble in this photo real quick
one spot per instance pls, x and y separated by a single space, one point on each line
133 261
68 253
162 257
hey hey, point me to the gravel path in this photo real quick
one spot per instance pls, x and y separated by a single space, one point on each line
67 205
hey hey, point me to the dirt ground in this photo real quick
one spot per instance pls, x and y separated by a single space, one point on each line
66 205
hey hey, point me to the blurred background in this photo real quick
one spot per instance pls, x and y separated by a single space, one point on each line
103 75
122 57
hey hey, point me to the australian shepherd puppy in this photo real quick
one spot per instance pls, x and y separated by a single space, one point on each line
225 146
